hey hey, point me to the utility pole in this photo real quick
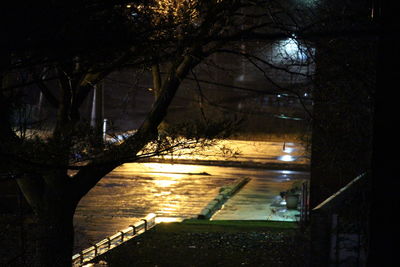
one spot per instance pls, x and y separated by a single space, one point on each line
97 113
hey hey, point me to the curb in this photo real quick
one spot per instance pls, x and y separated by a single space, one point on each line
225 193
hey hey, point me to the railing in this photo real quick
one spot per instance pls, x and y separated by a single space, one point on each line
108 243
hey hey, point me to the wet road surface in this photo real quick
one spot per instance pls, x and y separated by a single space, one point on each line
174 191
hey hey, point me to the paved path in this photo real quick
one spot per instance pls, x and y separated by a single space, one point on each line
260 199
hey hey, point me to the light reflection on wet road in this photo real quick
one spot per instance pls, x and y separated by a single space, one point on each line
172 191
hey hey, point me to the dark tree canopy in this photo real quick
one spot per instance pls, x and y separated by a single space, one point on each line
66 48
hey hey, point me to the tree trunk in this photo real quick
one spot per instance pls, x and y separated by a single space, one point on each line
54 203
55 238
155 72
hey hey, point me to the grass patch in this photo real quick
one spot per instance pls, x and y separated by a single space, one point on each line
244 223
214 243
199 226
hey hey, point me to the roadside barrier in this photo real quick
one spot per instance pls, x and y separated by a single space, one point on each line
224 194
111 242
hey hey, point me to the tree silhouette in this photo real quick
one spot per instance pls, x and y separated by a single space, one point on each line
65 48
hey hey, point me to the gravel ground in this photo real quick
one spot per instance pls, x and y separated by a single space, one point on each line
199 245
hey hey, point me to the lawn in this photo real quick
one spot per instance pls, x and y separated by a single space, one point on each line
214 243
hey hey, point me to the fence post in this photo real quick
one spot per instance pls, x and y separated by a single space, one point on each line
81 256
145 224
122 236
304 212
321 238
307 200
95 249
133 229
335 239
109 242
